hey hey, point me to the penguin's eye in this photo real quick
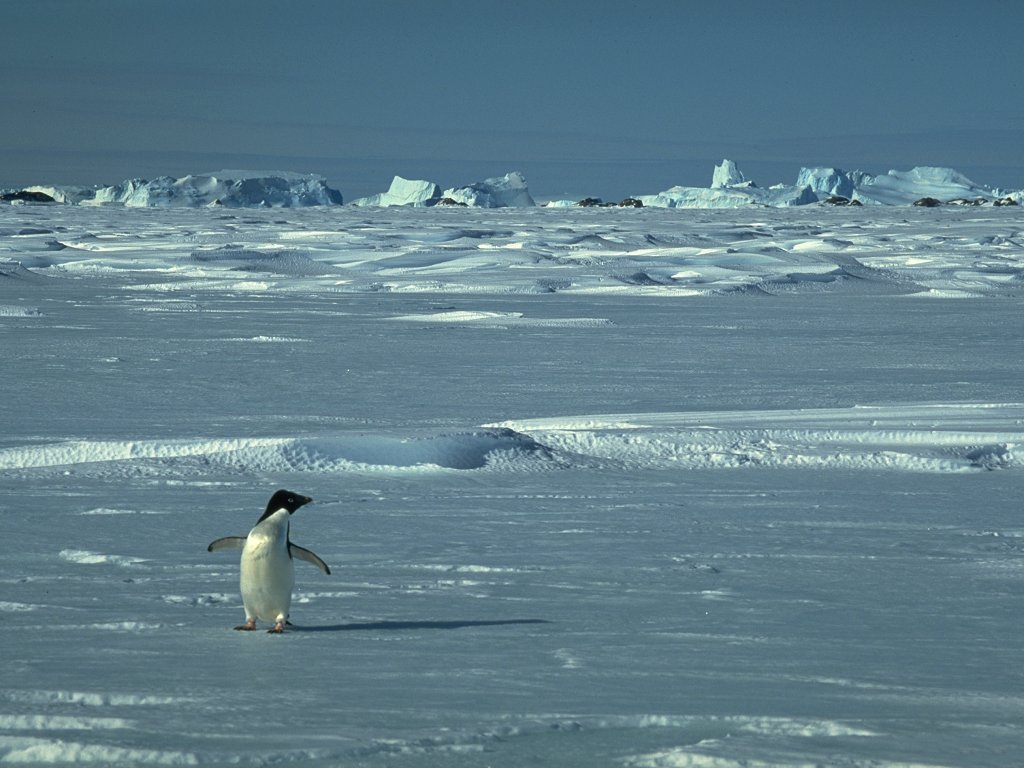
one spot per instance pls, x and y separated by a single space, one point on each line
291 500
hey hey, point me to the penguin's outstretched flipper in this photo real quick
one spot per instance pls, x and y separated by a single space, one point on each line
227 542
304 554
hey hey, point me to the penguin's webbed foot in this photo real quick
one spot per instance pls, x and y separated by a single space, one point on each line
277 628
249 626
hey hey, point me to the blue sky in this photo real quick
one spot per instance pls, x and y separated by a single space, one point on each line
585 98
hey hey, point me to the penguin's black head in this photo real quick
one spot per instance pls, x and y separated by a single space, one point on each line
285 500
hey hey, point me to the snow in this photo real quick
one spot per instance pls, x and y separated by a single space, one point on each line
624 487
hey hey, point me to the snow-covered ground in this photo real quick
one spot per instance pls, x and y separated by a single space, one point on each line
598 487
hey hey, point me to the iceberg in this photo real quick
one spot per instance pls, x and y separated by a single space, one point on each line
727 175
66 194
730 189
826 182
896 187
233 189
508 191
418 194
781 196
906 187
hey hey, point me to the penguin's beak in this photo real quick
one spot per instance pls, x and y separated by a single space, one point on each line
305 499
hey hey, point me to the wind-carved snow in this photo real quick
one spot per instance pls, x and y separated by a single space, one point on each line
948 438
502 319
84 557
956 439
964 252
471 450
593 484
8 310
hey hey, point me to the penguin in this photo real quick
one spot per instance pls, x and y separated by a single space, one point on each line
267 567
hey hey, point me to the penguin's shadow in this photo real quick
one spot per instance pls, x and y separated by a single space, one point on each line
406 625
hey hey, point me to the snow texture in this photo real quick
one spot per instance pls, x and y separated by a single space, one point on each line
597 487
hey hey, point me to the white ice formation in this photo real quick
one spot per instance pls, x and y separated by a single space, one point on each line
727 175
418 194
508 191
232 189
730 188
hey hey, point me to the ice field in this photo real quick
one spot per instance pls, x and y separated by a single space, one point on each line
598 487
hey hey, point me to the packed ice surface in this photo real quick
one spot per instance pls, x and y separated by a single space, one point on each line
597 487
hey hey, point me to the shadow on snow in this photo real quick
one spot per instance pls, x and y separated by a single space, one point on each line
400 625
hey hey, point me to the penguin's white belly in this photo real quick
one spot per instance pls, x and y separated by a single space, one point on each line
267 578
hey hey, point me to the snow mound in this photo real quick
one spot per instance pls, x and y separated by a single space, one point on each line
508 191
960 438
15 270
57 751
232 189
14 310
470 450
502 319
85 557
417 194
278 262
